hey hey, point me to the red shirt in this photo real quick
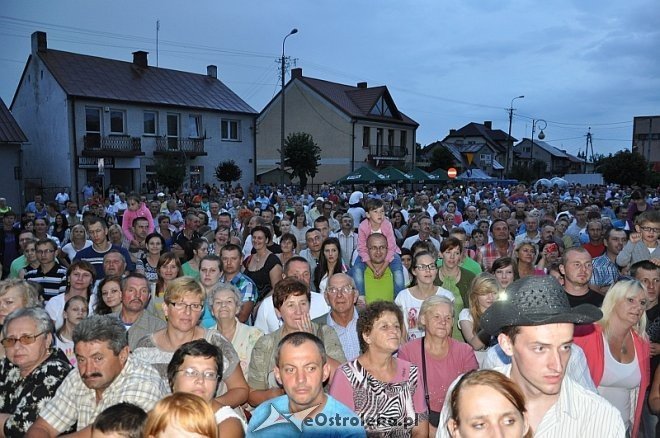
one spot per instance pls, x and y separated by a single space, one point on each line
594 250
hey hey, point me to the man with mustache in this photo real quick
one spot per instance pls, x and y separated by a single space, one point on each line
134 299
106 375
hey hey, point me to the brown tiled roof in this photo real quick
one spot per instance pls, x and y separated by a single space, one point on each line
357 102
10 132
109 79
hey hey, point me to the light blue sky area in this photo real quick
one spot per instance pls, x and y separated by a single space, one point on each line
579 63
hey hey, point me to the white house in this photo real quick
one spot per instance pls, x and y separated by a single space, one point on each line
77 109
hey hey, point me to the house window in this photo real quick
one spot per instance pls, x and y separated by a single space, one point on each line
526 149
117 122
92 127
404 139
150 123
194 126
150 173
381 108
379 137
230 130
173 131
485 158
366 137
390 137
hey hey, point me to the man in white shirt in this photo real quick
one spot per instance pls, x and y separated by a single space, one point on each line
534 323
297 267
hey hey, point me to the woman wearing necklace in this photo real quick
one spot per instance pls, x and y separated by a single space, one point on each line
617 351
378 385
263 267
453 277
183 304
410 300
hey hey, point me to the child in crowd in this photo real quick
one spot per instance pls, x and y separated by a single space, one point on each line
136 208
643 243
123 420
376 222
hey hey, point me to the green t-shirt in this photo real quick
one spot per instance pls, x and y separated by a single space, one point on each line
378 289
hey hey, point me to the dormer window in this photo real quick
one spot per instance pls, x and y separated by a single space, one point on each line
381 108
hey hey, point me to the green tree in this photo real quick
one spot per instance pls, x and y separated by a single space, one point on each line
522 173
228 171
625 167
442 158
302 156
170 172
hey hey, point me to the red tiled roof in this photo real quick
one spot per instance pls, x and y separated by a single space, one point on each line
109 79
10 132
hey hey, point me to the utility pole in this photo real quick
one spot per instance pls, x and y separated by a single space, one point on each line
509 149
586 149
157 31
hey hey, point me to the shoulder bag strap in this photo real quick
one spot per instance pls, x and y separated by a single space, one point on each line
426 388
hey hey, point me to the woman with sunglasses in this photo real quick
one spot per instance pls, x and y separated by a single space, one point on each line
32 370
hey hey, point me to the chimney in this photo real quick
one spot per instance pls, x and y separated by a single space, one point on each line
140 58
39 42
212 71
296 73
452 132
488 124
362 85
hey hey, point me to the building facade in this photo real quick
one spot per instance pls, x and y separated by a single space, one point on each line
86 115
353 126
646 139
12 140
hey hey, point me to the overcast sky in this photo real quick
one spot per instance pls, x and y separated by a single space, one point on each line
579 63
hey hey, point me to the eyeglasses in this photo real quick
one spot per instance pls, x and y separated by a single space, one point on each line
650 229
25 340
45 251
429 267
345 290
196 307
192 373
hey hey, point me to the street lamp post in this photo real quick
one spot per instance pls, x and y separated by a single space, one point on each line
542 125
283 68
509 149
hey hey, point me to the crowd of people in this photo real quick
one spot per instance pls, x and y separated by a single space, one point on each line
454 311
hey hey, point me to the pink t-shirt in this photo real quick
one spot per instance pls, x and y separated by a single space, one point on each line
440 372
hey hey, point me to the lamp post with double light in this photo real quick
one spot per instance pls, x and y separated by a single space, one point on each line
542 124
